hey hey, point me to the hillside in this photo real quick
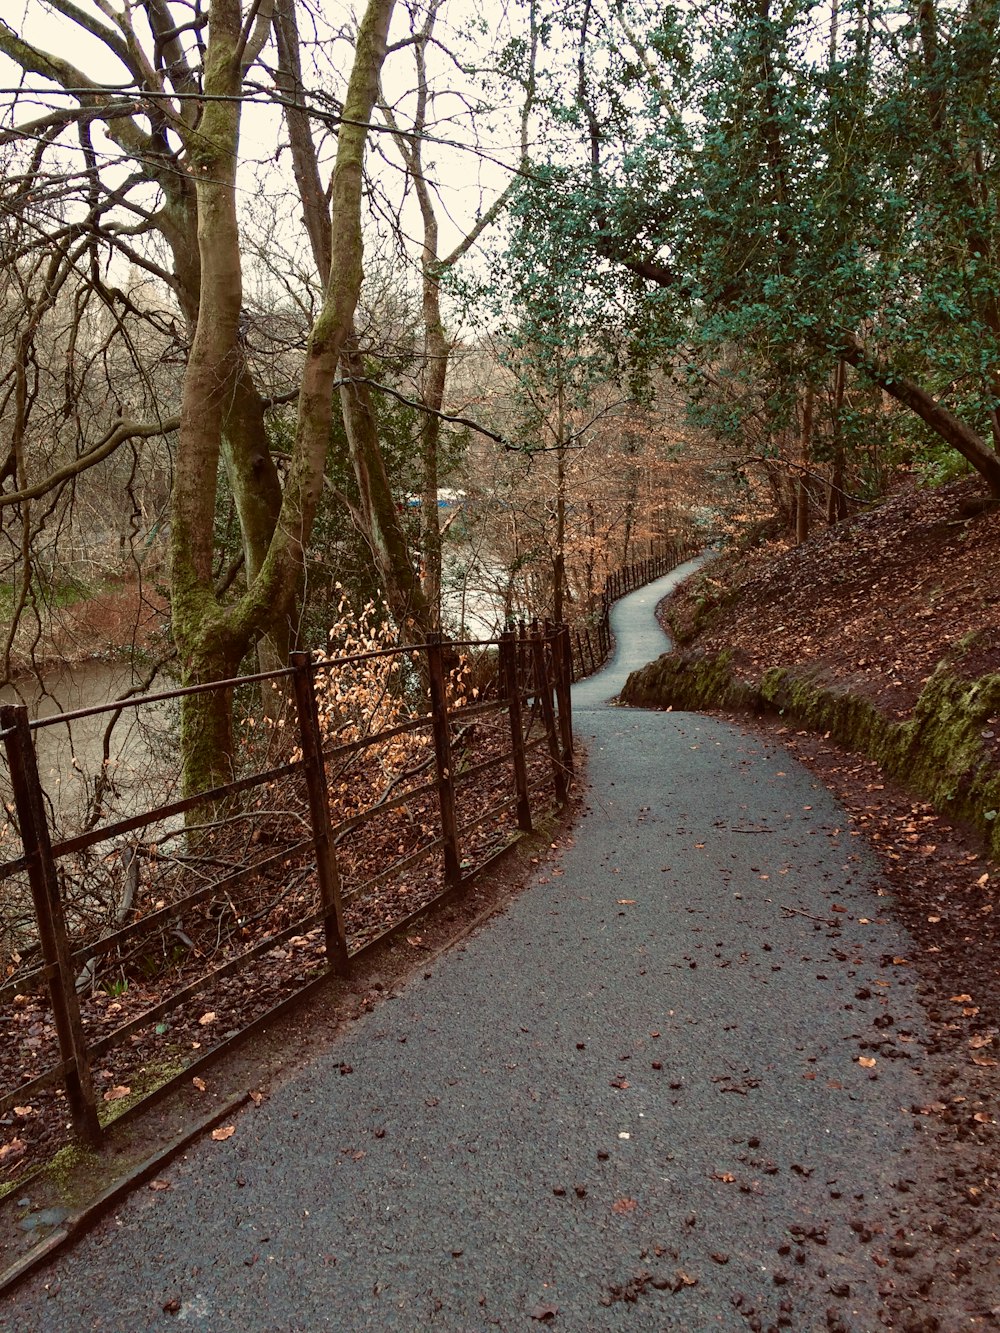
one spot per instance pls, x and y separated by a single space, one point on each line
873 653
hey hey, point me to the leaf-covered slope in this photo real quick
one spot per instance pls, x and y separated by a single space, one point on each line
873 604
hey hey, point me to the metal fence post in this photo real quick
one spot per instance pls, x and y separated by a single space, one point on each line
562 653
442 756
43 878
508 659
543 690
327 871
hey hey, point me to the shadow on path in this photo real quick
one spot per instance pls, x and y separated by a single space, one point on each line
632 1102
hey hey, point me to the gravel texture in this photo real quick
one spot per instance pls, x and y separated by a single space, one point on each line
634 1101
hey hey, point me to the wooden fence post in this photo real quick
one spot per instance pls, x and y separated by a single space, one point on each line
327 872
29 802
442 756
508 659
543 691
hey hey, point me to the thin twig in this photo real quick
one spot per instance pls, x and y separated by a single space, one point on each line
795 911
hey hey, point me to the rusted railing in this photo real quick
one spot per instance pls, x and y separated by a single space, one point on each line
591 641
154 937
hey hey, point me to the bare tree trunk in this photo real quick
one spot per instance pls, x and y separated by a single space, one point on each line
383 526
945 424
836 500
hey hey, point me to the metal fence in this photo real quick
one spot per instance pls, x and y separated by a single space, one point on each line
140 943
139 939
591 640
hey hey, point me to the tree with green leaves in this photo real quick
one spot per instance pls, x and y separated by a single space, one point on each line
815 187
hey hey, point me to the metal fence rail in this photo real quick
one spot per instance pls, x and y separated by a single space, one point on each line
469 776
148 928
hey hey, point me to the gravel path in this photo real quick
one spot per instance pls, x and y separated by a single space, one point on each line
634 1101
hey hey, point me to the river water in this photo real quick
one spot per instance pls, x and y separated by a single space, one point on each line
137 758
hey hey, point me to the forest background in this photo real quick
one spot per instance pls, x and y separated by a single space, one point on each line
306 308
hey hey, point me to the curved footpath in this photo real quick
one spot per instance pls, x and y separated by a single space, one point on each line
634 1101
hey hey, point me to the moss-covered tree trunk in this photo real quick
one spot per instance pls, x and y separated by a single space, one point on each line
213 634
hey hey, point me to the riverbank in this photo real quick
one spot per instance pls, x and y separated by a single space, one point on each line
110 623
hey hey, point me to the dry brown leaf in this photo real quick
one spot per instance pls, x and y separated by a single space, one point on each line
200 1084
866 1062
225 1132
985 1061
961 999
256 1097
980 1040
207 1018
159 1185
543 1313
623 1206
116 1094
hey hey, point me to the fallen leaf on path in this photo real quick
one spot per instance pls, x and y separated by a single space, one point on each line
866 1062
200 1084
159 1185
980 1040
544 1312
207 1018
116 1094
621 1206
226 1132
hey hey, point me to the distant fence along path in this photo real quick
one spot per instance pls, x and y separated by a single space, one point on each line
591 641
